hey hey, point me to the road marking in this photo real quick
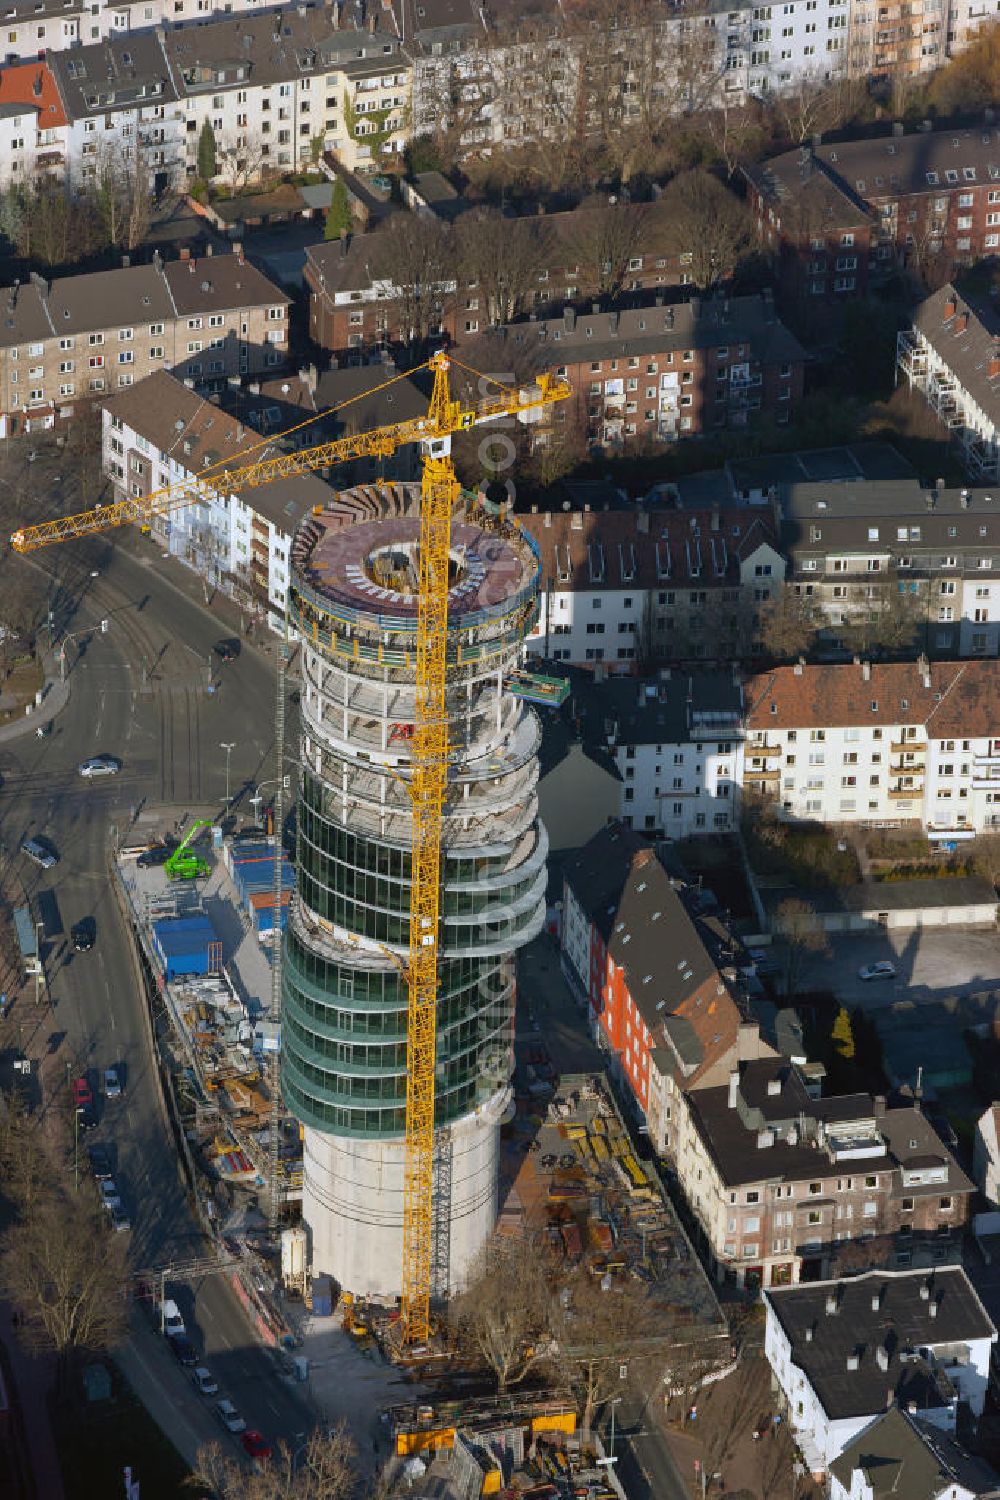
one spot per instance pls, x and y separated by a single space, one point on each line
112 1017
131 1122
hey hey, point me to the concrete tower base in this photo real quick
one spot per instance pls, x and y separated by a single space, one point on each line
352 1202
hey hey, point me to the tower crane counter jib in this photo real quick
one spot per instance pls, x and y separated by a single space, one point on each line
428 741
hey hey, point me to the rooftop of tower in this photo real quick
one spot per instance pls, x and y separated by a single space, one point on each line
360 553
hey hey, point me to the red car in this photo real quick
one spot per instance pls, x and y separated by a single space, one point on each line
82 1096
256 1444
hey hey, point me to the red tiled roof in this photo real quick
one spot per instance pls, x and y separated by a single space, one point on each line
950 698
33 85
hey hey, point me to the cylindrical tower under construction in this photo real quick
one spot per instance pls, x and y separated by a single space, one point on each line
344 1033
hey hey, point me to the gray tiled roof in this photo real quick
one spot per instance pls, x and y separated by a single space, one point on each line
901 1455
698 324
130 296
597 873
124 70
965 332
178 422
903 1320
657 944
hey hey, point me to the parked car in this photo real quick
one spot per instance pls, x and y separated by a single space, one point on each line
170 1318
227 650
157 855
99 765
83 1096
41 852
119 1218
205 1382
229 1416
882 970
110 1196
86 1117
83 934
112 1084
100 1162
183 1350
256 1445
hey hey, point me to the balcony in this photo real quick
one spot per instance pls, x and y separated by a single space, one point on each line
907 768
764 752
900 747
763 777
905 793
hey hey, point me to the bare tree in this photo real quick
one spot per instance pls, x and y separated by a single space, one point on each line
856 1256
737 133
502 257
606 237
65 1271
600 1328
504 1313
241 160
121 191
787 624
324 1469
709 223
797 923
414 255
886 616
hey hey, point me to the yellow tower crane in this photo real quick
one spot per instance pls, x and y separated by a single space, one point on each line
429 746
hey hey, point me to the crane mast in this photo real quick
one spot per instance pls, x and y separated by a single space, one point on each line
439 492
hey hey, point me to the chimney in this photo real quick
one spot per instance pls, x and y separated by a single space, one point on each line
642 522
808 1334
897 127
734 1087
799 667
854 1360
773 1087
882 1357
548 518
961 322
993 368
126 262
185 253
569 319
817 140
831 1304
925 1291
950 308
876 1301
933 1309
716 521
878 1104
595 307
238 251
866 671
208 248
612 322
695 309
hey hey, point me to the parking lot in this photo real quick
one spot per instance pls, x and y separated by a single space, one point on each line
931 965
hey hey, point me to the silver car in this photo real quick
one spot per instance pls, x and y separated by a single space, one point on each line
99 765
229 1416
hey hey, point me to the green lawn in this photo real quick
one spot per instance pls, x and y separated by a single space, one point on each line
97 1439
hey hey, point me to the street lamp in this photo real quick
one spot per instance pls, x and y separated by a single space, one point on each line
72 637
229 747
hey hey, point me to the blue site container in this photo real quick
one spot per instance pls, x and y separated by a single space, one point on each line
187 945
322 1297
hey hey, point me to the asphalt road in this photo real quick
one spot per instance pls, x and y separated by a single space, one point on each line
140 692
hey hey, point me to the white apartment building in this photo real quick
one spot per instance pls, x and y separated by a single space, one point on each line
161 433
624 587
844 1351
951 354
278 89
878 744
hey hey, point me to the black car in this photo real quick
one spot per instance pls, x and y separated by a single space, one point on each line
86 1116
100 1162
183 1350
83 935
158 855
227 650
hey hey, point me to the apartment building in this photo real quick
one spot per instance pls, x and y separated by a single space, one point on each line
33 125
80 337
781 1181
844 1352
676 745
278 89
593 881
657 374
353 304
883 744
951 355
898 1443
929 200
38 28
161 433
926 558
624 588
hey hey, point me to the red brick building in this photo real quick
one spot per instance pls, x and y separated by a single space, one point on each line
656 374
352 304
839 215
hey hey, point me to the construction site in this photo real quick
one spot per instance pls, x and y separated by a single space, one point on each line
201 934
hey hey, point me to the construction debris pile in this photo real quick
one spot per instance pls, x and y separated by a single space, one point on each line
581 1184
527 1448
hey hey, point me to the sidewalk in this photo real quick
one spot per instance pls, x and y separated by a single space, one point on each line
55 696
